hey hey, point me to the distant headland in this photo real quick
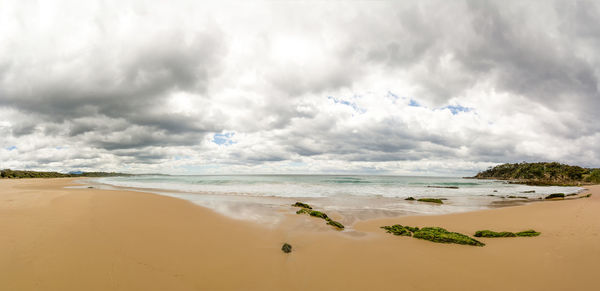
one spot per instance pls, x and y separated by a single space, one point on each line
15 174
542 174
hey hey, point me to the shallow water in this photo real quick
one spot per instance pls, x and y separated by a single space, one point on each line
265 198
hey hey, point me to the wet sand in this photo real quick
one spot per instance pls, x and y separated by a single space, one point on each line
54 238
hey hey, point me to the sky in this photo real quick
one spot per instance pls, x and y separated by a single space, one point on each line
298 87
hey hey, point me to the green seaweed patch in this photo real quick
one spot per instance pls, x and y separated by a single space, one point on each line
286 248
586 196
398 229
335 224
441 235
513 197
318 214
410 199
302 205
489 233
302 211
431 200
555 195
529 232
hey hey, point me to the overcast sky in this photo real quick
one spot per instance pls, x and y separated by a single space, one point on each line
406 87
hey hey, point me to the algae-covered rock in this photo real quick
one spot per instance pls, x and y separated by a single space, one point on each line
318 214
302 211
398 229
431 200
530 232
335 224
302 205
286 248
555 195
412 229
410 199
440 235
489 233
513 197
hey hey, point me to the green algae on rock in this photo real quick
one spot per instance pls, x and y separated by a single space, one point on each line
431 200
529 232
441 235
301 205
398 229
335 224
489 233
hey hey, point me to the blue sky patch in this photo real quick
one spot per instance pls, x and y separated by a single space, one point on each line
414 103
223 138
11 148
456 109
347 103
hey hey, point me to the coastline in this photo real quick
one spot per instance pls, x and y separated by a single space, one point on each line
72 239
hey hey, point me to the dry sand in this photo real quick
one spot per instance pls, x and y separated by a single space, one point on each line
52 238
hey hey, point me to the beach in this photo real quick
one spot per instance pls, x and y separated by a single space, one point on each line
57 238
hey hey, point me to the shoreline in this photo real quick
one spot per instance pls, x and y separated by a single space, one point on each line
69 239
263 208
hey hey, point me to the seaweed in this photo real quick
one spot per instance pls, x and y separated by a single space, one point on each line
335 224
410 198
489 233
318 214
431 200
302 205
555 195
286 248
521 197
302 211
398 229
441 235
529 232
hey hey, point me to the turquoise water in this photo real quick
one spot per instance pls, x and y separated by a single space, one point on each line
353 197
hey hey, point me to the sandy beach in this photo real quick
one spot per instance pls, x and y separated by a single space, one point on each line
56 238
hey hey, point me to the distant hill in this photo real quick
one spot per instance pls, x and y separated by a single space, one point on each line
542 174
16 174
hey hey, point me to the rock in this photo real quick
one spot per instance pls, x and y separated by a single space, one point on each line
440 235
530 232
555 195
410 199
318 214
286 248
431 200
335 224
489 233
302 205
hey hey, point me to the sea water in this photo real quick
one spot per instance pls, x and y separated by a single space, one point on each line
265 197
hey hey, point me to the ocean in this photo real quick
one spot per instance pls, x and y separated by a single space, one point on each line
265 198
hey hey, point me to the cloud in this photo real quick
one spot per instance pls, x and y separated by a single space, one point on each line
430 87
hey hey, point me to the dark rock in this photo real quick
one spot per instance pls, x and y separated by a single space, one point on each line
286 248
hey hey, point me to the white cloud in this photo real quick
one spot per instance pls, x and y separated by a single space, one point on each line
302 87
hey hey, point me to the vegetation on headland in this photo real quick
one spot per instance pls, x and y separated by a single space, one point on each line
16 174
307 209
542 174
489 233
434 234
